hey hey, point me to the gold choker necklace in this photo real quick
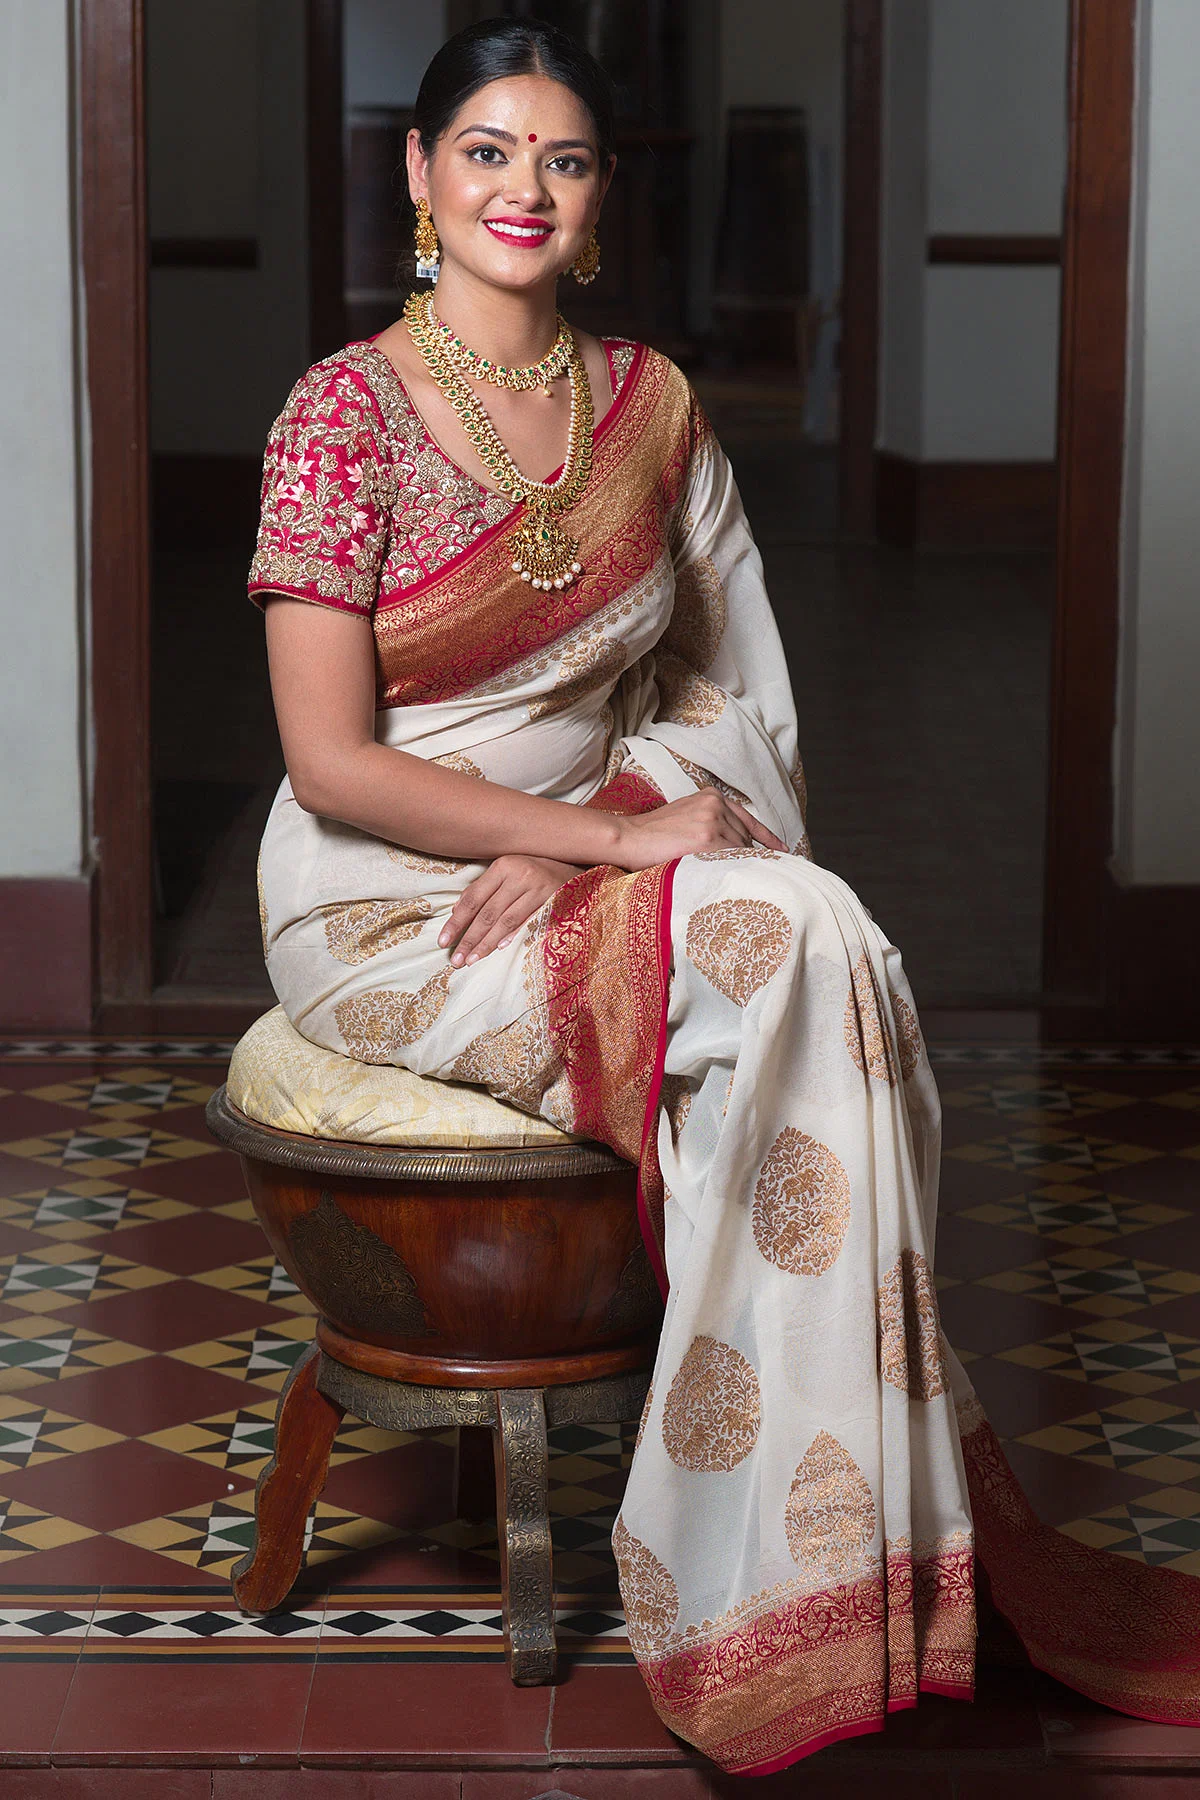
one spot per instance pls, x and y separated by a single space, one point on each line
544 554
482 368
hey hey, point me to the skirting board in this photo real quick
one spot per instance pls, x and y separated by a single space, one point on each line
964 505
45 954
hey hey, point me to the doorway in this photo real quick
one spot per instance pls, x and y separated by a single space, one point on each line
134 872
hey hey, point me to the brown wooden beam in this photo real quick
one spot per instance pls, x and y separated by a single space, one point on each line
113 229
1091 435
859 354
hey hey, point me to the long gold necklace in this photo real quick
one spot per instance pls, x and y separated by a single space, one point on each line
481 368
544 554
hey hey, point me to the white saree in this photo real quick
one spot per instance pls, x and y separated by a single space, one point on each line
795 1543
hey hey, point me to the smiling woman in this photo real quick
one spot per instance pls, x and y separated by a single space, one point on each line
543 831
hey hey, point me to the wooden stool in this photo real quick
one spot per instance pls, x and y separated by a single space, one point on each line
493 1285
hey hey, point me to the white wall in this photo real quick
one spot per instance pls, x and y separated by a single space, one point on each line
388 44
1158 743
970 354
42 722
227 344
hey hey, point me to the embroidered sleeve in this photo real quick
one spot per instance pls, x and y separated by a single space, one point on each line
327 494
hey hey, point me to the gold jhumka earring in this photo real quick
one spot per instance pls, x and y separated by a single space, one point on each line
587 264
429 251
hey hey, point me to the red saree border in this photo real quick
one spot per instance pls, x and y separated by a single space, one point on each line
831 1663
1123 1633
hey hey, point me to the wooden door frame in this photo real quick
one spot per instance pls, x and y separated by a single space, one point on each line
1090 474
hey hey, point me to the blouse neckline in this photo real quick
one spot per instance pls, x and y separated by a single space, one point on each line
598 428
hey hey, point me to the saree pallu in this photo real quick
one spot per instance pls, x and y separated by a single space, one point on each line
813 1475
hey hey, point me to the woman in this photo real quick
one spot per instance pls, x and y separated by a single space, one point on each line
543 830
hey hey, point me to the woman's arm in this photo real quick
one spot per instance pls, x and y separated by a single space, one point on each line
322 666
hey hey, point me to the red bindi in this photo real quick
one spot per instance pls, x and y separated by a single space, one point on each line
533 137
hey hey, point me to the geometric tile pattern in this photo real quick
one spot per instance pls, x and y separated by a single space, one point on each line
78 1210
1069 1202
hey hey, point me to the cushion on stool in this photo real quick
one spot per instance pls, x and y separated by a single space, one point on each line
279 1078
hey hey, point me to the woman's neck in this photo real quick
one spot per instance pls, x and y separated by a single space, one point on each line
513 329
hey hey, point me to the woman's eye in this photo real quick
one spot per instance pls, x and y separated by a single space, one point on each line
576 163
489 150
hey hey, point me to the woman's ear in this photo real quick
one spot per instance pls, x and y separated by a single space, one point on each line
417 164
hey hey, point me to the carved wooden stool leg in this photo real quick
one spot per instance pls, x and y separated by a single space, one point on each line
523 1527
475 1483
305 1424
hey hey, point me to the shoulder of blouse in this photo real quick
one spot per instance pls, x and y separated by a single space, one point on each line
357 377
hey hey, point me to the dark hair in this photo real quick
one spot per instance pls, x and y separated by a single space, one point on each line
495 48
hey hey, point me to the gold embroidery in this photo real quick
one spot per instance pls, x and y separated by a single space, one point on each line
357 930
866 1033
650 1595
460 761
621 356
742 850
383 1020
830 1513
262 903
801 1205
511 1061
675 1098
910 1341
698 619
424 865
800 783
713 1407
685 697
589 665
738 945
641 1430
908 1035
863 1027
704 778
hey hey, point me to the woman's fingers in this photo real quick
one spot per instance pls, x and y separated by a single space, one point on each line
758 831
467 909
496 922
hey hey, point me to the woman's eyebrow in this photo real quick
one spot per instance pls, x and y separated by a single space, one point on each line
491 130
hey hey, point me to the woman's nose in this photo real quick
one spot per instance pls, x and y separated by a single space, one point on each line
525 186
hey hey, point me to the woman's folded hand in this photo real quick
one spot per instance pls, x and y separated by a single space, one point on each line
702 821
498 902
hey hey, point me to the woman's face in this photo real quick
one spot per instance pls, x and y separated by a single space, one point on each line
514 183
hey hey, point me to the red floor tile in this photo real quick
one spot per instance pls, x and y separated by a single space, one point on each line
140 1397
1170 1180
107 1784
986 1319
1061 1488
968 1249
601 1714
1156 1127
398 1564
1003 1719
170 1316
193 1243
972 1184
410 1486
34 1694
1017 1399
814 1778
1096 1735
102 1561
338 1784
178 1713
120 1485
201 1180
22 1116
386 1715
17 1242
20 1175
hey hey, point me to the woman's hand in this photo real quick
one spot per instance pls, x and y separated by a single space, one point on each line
498 902
701 821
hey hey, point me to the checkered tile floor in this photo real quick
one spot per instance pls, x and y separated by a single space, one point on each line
145 1334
